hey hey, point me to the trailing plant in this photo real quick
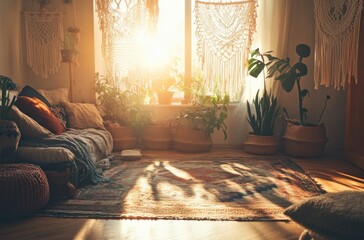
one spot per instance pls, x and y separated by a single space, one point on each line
265 106
289 76
6 84
207 115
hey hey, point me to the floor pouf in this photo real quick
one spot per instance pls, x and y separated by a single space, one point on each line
24 190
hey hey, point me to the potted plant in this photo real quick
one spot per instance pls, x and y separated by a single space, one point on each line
194 126
301 138
9 132
123 112
158 136
262 120
162 86
68 51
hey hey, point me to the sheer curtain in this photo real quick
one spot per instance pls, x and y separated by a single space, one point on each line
273 21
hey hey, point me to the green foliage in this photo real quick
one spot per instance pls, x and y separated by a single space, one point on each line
266 107
266 112
6 84
289 75
112 101
124 107
207 114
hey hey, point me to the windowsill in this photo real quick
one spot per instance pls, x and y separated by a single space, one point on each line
181 105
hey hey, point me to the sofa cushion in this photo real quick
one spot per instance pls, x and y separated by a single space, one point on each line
40 112
60 113
83 115
28 91
28 126
44 156
55 96
338 215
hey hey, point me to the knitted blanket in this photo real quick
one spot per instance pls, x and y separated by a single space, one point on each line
83 170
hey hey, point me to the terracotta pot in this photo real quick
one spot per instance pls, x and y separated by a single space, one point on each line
304 141
165 97
261 145
9 140
157 137
123 137
190 140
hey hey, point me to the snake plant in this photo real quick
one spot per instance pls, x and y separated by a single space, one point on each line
266 107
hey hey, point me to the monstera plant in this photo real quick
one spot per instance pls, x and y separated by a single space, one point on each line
301 138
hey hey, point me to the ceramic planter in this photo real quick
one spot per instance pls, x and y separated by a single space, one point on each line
304 141
261 145
165 97
9 140
190 140
123 137
157 137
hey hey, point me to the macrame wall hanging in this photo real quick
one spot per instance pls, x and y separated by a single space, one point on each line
224 31
121 22
43 31
337 24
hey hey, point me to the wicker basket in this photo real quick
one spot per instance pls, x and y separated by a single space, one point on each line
24 190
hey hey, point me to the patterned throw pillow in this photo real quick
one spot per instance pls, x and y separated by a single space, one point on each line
60 113
40 112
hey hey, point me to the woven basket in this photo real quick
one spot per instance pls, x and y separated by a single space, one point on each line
24 190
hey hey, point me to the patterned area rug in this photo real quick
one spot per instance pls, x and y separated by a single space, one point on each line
202 188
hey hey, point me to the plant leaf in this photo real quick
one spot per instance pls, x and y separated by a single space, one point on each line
255 67
301 69
305 92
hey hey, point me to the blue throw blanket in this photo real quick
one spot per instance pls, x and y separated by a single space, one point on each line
84 170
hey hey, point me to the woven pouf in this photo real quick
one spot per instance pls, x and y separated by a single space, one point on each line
24 190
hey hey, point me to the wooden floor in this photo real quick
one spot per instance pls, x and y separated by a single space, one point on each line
331 172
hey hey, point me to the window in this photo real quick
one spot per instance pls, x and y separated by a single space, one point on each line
147 41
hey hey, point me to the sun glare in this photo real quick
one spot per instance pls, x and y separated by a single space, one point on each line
159 48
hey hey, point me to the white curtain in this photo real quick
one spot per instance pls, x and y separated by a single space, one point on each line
273 21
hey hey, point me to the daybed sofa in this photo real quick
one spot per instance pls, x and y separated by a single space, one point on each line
67 140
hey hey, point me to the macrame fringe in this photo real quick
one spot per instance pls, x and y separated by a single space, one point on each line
225 76
119 45
336 56
224 31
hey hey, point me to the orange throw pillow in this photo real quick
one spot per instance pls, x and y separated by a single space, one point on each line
40 112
